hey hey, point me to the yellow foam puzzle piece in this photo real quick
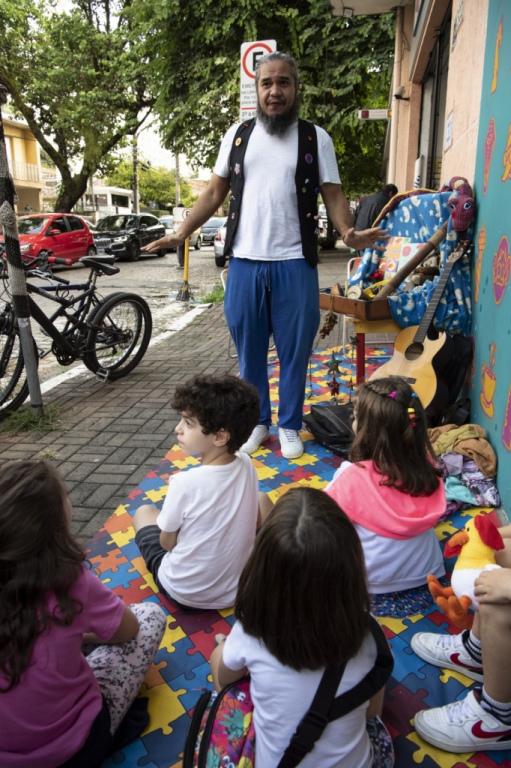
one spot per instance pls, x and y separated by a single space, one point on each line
164 707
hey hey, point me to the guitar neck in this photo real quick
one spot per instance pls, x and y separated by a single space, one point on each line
434 301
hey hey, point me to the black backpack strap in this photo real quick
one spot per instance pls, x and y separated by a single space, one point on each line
325 707
315 720
372 682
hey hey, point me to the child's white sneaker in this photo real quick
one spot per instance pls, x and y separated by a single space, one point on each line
463 726
258 436
446 651
291 444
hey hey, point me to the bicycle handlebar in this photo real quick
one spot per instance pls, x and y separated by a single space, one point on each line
60 260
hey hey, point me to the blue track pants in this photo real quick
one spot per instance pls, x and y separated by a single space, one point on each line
279 297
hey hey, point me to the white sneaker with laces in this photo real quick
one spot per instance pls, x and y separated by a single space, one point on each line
290 443
463 726
258 436
446 651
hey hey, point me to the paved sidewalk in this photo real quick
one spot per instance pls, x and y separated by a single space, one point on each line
110 435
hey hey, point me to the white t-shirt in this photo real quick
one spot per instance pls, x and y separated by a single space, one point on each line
214 508
269 228
282 696
396 564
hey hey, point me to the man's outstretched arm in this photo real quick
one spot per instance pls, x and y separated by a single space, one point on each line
204 207
340 214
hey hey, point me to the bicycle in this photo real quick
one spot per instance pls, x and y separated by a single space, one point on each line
109 334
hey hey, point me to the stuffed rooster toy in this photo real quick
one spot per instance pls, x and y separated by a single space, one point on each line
475 546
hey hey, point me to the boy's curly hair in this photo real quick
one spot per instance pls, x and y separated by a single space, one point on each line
220 402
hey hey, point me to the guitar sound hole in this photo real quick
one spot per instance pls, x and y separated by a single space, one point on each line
414 351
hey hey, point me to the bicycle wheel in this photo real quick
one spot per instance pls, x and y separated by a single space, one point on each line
13 380
120 334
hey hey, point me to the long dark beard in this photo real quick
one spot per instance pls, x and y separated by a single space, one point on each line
277 125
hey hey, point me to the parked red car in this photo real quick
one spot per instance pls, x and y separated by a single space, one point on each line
59 234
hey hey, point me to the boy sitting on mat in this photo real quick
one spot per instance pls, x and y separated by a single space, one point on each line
196 547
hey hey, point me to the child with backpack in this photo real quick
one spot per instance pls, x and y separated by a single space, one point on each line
59 707
393 491
302 610
197 545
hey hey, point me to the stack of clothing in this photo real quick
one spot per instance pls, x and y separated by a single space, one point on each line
469 465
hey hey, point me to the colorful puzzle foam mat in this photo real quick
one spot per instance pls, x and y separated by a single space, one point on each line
181 671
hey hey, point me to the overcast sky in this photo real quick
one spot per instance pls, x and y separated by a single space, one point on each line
150 149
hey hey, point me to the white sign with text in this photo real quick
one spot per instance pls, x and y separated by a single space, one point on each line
250 53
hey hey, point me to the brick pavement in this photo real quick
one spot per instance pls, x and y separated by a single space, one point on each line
110 435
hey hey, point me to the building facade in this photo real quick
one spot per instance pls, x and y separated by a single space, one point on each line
24 164
451 116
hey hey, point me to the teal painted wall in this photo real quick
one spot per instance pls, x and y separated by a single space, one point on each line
491 383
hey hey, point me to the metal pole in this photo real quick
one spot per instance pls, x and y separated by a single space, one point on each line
136 194
15 269
184 293
178 180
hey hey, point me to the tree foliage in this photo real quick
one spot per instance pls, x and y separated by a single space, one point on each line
77 77
157 186
344 63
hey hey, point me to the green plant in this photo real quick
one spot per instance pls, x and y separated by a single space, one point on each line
27 419
215 296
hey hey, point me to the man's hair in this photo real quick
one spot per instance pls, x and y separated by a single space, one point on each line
278 56
392 432
303 590
220 402
38 558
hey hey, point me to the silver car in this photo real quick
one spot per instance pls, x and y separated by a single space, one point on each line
218 246
170 228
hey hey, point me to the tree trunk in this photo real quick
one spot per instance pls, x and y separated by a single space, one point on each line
71 190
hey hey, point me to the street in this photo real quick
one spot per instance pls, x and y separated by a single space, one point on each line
158 281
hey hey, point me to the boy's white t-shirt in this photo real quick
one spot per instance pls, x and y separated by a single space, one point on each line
282 696
214 508
269 227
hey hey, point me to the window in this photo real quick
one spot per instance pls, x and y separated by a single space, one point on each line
149 221
122 201
75 223
31 226
58 224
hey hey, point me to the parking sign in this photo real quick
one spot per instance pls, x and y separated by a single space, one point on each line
250 53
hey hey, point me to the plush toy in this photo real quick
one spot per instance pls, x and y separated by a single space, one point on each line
460 202
475 546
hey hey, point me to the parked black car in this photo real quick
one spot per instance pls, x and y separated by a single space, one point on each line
123 236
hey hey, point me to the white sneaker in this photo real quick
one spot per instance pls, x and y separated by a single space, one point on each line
258 436
291 444
463 726
446 651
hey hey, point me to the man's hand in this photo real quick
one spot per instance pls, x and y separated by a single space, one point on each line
365 238
493 586
168 241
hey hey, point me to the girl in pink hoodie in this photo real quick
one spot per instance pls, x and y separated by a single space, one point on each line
392 491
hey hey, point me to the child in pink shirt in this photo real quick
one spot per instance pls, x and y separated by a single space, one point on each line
59 707
392 491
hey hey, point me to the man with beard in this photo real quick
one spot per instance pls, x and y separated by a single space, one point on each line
275 167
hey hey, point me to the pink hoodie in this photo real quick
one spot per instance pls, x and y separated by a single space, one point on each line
384 510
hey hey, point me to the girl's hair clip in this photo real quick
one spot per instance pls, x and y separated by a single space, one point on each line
412 416
393 394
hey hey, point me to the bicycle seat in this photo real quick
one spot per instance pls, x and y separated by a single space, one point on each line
103 265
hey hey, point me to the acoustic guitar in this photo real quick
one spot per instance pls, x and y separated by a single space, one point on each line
417 356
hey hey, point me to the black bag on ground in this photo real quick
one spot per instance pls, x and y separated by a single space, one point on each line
331 426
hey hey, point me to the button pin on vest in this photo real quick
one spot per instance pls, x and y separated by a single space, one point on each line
238 141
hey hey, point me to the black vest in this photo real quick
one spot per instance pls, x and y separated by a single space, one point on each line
306 180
